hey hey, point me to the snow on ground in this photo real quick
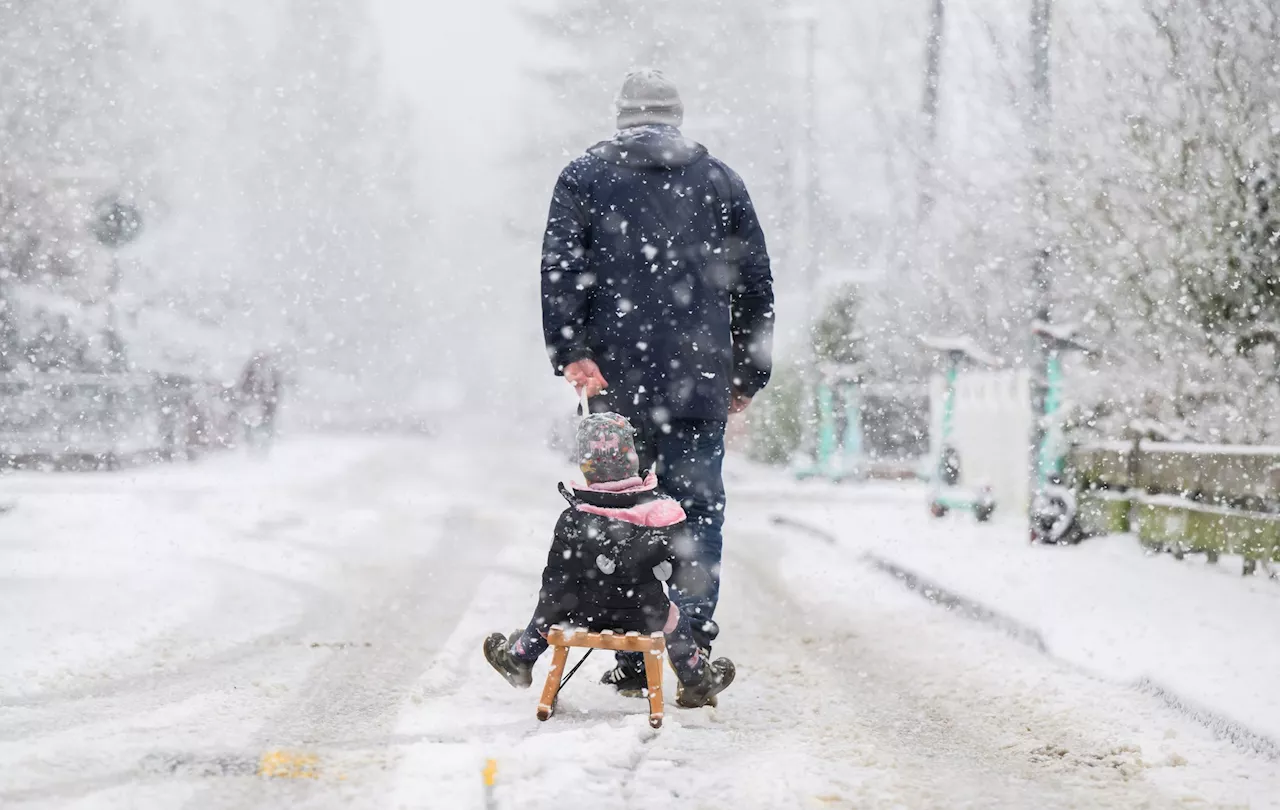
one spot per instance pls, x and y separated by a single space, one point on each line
304 631
109 565
1199 631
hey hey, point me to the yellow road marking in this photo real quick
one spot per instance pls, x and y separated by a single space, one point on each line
289 765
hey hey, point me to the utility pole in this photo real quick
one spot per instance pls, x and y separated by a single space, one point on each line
801 191
810 237
929 108
812 229
1041 111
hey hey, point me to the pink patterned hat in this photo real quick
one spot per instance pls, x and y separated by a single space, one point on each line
607 448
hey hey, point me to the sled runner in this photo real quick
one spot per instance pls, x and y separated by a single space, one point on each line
654 647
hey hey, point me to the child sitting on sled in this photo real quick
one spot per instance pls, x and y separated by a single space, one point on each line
610 557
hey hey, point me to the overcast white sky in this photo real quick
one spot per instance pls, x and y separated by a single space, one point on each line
460 64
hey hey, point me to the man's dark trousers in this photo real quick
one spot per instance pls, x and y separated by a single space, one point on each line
689 454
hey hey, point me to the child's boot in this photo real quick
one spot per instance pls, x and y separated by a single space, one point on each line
627 677
716 677
497 651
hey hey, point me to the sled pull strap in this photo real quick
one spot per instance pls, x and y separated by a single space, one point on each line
581 661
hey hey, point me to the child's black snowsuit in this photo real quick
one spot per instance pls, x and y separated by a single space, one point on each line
613 548
611 553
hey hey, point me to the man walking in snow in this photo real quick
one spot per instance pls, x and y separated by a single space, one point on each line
657 299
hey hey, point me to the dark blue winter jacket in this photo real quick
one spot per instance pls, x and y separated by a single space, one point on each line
655 266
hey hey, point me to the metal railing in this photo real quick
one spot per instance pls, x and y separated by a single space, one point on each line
1199 498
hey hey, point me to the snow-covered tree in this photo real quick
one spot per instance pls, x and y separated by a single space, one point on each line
73 126
273 171
1165 206
283 186
331 212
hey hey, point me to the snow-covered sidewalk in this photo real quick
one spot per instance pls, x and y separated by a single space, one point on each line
1192 632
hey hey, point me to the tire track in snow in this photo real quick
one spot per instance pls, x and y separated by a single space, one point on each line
404 610
358 691
941 718
199 668
358 688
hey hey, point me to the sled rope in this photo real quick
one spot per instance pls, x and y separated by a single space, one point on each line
575 668
586 411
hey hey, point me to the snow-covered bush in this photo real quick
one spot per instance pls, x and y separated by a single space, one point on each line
1165 209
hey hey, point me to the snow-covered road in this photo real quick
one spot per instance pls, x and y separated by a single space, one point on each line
304 632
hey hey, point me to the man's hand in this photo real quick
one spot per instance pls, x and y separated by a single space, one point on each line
738 403
585 374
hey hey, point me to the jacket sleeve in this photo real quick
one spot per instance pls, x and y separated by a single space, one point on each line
750 297
566 285
558 595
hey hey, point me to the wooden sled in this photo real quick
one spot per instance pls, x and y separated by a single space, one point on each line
654 647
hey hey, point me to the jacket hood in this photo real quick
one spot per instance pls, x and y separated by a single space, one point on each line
653 146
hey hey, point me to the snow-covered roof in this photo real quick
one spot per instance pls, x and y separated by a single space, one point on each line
1065 334
961 344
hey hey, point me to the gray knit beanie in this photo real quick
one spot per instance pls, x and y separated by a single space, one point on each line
648 97
607 448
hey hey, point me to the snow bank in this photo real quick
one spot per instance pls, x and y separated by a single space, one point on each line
1198 631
